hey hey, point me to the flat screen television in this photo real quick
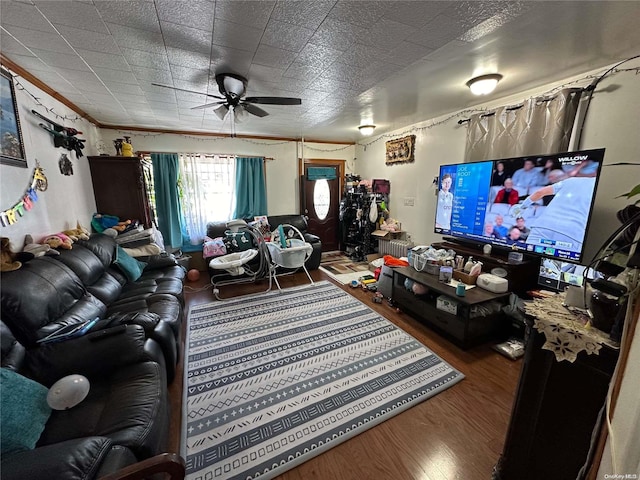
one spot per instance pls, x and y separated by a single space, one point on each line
537 204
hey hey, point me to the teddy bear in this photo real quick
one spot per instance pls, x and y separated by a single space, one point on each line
8 259
59 240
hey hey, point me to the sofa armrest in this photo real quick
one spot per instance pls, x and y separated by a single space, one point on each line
69 460
311 238
170 463
94 354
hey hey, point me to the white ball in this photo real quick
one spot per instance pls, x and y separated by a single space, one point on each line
68 392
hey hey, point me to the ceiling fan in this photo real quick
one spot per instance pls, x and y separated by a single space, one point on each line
232 87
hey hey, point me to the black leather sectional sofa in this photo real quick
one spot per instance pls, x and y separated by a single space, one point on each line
128 356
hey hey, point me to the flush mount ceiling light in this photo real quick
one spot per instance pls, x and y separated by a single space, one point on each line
484 84
366 129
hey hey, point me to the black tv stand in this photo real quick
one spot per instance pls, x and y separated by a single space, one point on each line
522 276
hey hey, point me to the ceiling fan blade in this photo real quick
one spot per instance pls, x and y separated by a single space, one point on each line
188 91
221 111
253 110
274 100
207 105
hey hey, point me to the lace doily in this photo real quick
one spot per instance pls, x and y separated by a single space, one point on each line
567 332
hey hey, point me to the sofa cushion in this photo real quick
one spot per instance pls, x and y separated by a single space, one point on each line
131 267
129 407
24 411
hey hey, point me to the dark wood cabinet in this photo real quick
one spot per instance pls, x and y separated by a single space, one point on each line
469 326
554 413
121 187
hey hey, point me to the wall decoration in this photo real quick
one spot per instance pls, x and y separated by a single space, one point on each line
11 144
62 136
65 165
400 150
38 183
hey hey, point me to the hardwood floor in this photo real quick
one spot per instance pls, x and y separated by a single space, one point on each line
459 433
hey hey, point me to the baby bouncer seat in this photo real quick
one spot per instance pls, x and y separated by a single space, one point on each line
289 252
237 267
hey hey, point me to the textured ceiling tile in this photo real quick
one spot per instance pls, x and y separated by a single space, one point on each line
302 71
20 14
252 13
360 55
193 99
198 76
387 34
61 60
119 89
258 73
237 36
88 40
153 91
301 12
77 75
194 13
126 98
272 57
127 37
101 98
320 56
227 59
438 32
186 58
32 64
406 53
284 35
185 38
415 13
91 88
11 46
73 14
147 75
60 85
361 13
471 13
337 34
146 59
105 60
51 42
107 75
137 14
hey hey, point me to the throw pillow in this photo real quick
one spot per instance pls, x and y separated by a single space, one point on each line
128 265
24 411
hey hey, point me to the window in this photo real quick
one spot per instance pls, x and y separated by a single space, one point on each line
207 183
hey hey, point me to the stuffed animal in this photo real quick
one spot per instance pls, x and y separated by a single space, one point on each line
59 240
8 261
78 233
121 225
37 249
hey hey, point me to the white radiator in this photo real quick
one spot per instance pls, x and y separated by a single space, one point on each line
396 248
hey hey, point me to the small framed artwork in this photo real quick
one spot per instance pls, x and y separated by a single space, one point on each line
11 144
400 150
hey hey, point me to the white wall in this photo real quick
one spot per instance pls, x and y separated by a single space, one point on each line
68 199
282 171
612 123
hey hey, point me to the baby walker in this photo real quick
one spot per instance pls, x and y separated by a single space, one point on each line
250 244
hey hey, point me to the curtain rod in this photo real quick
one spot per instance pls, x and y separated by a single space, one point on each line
269 159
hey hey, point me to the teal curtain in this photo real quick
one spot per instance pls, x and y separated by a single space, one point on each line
166 172
251 190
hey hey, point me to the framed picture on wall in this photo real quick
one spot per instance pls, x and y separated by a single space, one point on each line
11 144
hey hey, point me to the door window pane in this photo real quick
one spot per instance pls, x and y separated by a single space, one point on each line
321 198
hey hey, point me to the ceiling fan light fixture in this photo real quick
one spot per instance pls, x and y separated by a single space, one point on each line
221 111
484 84
366 130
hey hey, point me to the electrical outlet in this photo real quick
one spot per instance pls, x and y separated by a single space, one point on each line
409 201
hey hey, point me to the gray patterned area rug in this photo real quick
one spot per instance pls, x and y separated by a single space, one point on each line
275 379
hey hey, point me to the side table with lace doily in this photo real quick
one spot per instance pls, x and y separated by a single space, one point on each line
563 385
